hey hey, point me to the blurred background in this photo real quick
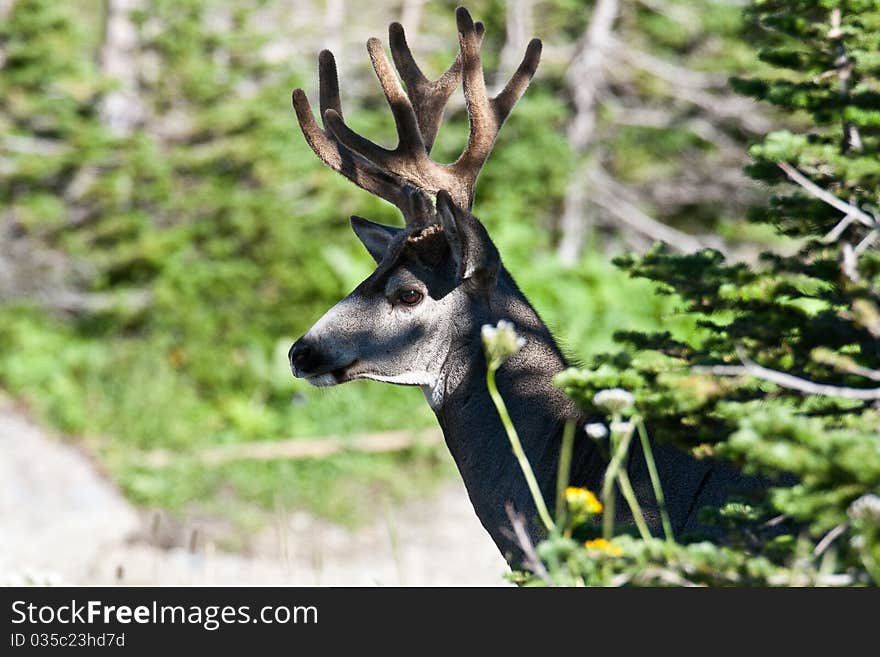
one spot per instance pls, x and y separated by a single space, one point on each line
166 233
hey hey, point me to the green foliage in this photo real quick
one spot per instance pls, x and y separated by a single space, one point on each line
834 467
214 210
47 113
829 69
799 314
836 491
655 562
217 211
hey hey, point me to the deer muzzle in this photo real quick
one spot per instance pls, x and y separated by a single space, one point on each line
309 362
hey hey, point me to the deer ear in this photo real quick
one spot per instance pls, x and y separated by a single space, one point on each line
376 237
472 248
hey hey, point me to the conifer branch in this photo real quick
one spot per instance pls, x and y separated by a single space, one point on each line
852 212
607 195
751 368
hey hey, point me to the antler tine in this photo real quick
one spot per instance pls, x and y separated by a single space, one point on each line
409 160
515 88
353 166
328 83
428 97
405 119
406 175
486 115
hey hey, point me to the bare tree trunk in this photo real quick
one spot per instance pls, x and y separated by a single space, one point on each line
843 66
587 81
411 17
577 212
121 109
334 21
519 27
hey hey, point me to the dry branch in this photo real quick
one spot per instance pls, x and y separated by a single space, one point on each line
532 560
851 211
606 193
828 539
297 449
696 88
847 365
586 73
849 256
661 118
666 70
586 80
750 368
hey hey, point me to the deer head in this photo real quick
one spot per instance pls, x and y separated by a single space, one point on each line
416 319
435 279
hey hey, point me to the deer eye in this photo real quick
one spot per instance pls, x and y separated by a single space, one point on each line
410 297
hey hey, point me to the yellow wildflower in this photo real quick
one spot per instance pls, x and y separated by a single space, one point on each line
601 545
582 502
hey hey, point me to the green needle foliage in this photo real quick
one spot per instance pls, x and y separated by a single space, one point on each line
810 312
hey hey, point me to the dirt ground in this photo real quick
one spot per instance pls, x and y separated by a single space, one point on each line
62 522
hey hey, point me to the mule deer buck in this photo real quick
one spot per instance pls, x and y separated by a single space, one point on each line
416 320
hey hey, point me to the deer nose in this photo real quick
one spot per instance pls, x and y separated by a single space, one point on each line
304 358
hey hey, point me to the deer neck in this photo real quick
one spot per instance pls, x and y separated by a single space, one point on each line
472 427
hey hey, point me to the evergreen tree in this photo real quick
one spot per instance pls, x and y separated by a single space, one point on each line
777 373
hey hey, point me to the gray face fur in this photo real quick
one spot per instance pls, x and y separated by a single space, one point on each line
429 291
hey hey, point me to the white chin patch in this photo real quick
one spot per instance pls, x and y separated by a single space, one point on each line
427 382
405 379
322 380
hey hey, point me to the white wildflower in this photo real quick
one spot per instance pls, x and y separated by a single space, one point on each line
596 430
622 428
614 400
867 507
501 342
